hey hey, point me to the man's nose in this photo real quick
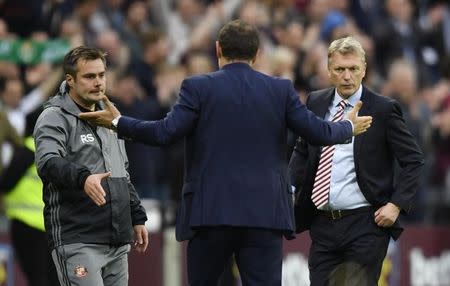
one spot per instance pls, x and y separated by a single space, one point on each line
97 80
347 74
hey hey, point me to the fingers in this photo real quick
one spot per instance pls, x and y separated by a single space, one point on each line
106 101
139 238
367 121
140 248
100 191
377 219
358 106
361 124
84 115
97 198
94 189
144 240
383 218
141 241
365 118
104 175
89 115
100 118
386 222
98 195
111 108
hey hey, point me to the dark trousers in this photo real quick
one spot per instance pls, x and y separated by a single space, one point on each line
347 251
258 255
31 249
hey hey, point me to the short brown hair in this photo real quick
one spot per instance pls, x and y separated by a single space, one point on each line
81 52
239 40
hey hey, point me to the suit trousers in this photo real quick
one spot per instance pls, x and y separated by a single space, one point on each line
347 251
257 252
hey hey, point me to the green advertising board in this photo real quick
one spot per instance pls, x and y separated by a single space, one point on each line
29 52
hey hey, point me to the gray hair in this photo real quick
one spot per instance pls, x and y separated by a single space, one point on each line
347 45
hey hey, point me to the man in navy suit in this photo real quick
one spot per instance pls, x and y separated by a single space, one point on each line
349 197
236 197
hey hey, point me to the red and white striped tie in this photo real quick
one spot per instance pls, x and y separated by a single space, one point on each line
321 189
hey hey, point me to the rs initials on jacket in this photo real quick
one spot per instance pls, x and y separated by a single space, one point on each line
87 138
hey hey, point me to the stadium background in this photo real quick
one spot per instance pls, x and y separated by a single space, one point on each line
152 45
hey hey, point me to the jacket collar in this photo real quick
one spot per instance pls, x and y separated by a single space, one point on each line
352 100
329 96
322 107
236 65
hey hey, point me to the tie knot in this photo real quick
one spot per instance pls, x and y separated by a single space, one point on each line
343 104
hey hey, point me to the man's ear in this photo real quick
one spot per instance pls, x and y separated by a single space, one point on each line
364 70
258 53
219 55
218 50
70 80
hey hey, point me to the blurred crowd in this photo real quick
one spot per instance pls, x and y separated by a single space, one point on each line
153 45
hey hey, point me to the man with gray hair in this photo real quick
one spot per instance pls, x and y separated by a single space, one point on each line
348 196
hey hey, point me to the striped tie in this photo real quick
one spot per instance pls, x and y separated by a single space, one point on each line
321 189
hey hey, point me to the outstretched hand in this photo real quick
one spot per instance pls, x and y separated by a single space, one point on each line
101 117
360 123
93 188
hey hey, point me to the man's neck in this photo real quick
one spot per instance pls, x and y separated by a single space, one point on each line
224 61
81 103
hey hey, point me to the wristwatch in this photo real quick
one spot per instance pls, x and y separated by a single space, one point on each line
114 123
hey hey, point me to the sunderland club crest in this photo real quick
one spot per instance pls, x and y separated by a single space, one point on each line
80 271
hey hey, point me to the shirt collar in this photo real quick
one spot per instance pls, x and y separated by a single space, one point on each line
352 100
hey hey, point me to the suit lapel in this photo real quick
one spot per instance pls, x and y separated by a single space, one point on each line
321 108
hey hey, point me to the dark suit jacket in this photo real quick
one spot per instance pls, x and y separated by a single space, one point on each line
375 152
235 123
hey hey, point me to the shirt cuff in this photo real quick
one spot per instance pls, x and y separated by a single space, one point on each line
353 128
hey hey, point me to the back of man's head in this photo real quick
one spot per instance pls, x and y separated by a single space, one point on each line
239 40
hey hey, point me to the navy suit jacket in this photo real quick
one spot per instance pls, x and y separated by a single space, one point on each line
375 152
235 123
